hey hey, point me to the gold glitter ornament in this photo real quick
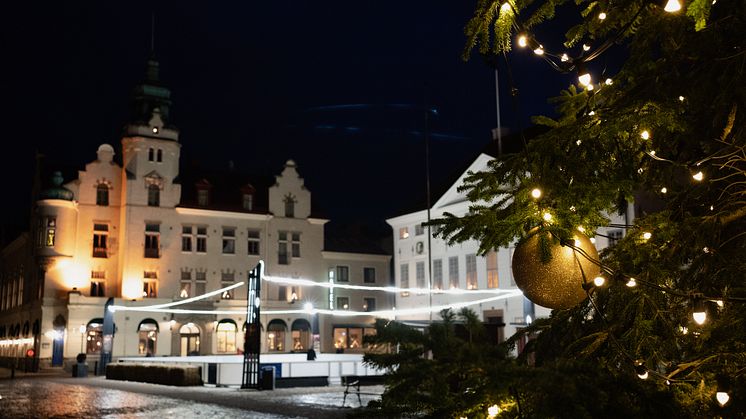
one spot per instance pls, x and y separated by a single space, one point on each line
557 284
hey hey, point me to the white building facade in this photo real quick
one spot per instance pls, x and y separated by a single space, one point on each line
460 267
126 232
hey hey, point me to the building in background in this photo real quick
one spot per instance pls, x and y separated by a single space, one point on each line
144 233
460 267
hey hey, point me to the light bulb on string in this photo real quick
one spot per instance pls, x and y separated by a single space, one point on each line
602 16
586 47
641 370
564 58
505 7
522 41
589 88
581 229
631 282
723 387
722 397
547 217
681 98
699 312
664 190
584 79
536 193
698 176
647 235
493 410
609 82
645 135
672 6
599 281
539 50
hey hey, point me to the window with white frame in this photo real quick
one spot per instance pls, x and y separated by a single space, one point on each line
295 244
102 194
186 238
152 240
201 239
438 274
471 271
98 283
226 331
200 283
343 303
369 304
226 280
493 280
403 233
343 273
253 242
369 275
100 240
419 229
150 284
282 248
248 201
614 236
453 281
404 278
419 271
229 240
185 284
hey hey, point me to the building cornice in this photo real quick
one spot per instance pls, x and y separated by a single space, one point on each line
361 257
222 214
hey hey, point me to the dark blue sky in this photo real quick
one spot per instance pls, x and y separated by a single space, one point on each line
258 83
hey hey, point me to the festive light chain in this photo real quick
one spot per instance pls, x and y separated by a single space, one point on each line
338 313
308 282
199 297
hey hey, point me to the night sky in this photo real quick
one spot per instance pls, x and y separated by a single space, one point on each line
338 86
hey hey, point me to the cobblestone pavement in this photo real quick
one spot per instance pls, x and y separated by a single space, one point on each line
96 397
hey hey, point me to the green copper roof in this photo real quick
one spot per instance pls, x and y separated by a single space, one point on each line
57 191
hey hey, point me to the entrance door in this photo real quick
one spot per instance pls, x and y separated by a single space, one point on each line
189 339
57 350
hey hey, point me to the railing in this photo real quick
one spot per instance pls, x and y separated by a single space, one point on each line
99 252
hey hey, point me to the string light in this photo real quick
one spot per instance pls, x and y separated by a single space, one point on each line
536 193
599 281
664 190
522 41
602 15
698 176
609 82
540 50
681 98
641 370
581 229
505 7
672 6
547 217
586 47
723 386
585 79
564 58
631 283
646 235
645 135
722 397
699 313
493 410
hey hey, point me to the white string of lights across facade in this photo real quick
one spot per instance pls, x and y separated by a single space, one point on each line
312 283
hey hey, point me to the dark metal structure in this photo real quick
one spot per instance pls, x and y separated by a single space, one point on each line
252 339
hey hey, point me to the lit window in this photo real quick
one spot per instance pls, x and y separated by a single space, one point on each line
100 239
248 201
471 272
47 231
94 335
403 233
185 286
226 280
343 303
150 284
276 336
301 335
493 280
102 195
227 336
203 197
253 241
98 281
189 336
147 334
453 281
369 304
229 240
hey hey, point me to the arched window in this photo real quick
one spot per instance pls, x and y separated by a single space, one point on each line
276 335
94 336
160 155
189 336
151 154
147 333
102 195
154 195
226 331
300 331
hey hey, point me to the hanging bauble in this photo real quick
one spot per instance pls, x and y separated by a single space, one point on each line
558 282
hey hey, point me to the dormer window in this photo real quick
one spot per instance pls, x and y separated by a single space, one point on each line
248 201
102 195
203 197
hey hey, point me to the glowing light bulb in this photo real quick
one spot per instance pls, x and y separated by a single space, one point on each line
589 87
539 51
652 152
722 397
599 281
631 283
602 15
586 47
684 330
505 7
581 229
536 193
642 371
672 6
308 307
578 242
699 317
720 303
698 176
493 410
645 135
593 240
609 82
522 41
564 58
664 190
585 79
681 98
547 217
591 113
646 236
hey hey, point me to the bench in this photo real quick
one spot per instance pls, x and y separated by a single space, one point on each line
352 385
